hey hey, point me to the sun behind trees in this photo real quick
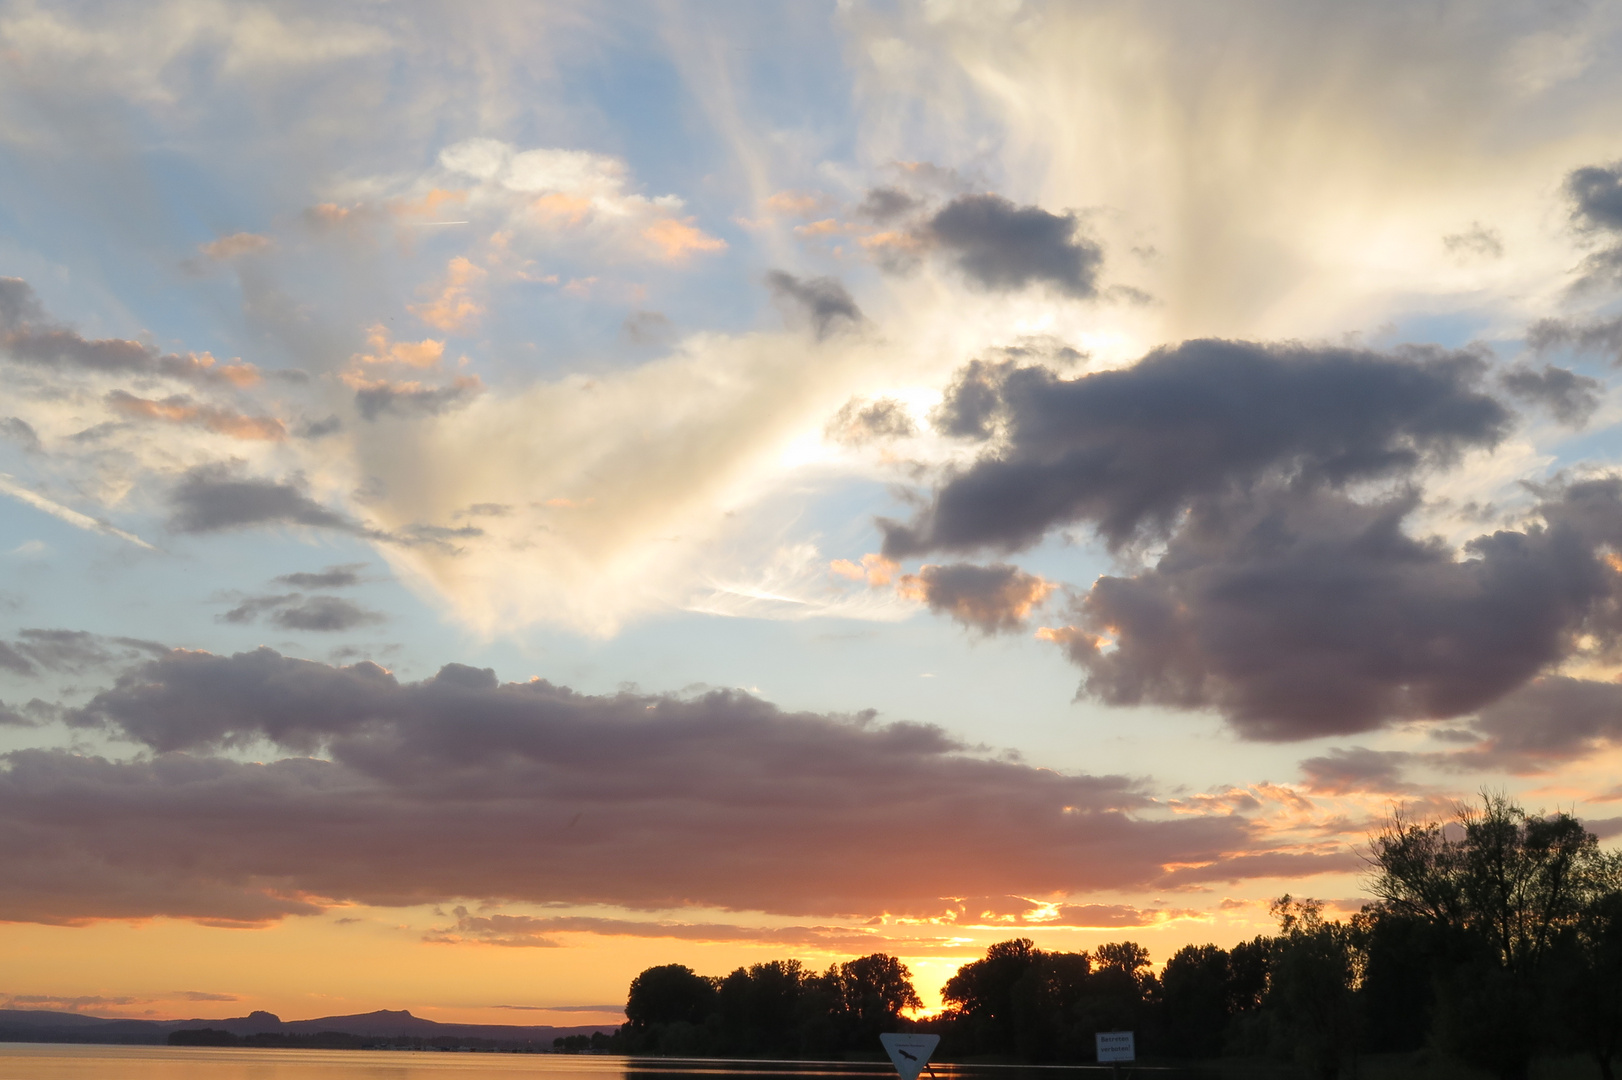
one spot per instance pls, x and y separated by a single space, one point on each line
1496 940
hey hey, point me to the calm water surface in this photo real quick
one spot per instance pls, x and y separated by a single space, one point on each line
50 1061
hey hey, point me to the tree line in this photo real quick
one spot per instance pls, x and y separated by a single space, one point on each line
1496 938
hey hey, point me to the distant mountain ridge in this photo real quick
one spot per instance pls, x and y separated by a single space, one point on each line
31 1025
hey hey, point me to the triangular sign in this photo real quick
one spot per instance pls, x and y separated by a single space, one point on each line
909 1053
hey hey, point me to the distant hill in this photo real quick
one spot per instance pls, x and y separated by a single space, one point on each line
29 1025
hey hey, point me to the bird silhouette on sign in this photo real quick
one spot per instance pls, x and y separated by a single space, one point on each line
903 1053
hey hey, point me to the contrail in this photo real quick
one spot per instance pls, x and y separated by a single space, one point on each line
9 486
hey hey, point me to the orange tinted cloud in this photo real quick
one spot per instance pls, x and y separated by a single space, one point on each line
183 410
825 227
454 308
675 240
418 354
230 247
891 241
795 203
874 569
558 207
430 204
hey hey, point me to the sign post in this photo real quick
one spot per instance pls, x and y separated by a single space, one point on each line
910 1053
1115 1047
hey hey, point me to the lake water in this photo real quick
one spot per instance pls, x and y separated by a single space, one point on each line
51 1061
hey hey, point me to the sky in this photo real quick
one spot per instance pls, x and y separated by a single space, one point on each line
496 497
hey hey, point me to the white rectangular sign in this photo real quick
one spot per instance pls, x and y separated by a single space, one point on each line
1116 1046
909 1053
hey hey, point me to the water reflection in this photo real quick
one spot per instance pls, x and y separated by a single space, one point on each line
41 1061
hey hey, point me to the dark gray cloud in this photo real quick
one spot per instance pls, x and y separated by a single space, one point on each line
411 400
861 421
29 336
1570 398
1129 450
823 301
319 429
10 717
1596 210
295 611
213 498
1596 196
75 650
1298 614
532 792
1603 336
1547 722
886 204
20 431
992 599
647 327
1001 246
1343 771
14 661
333 577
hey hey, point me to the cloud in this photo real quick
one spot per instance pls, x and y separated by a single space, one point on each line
180 409
675 240
1570 398
215 498
1019 911
1549 721
555 191
235 246
799 204
55 1003
530 792
333 577
1592 336
1128 450
1274 864
412 399
1342 771
565 1008
298 612
528 931
823 301
1001 246
882 204
426 353
454 309
1596 197
1298 614
646 327
203 995
20 431
27 336
1475 243
78 650
14 661
992 599
861 421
